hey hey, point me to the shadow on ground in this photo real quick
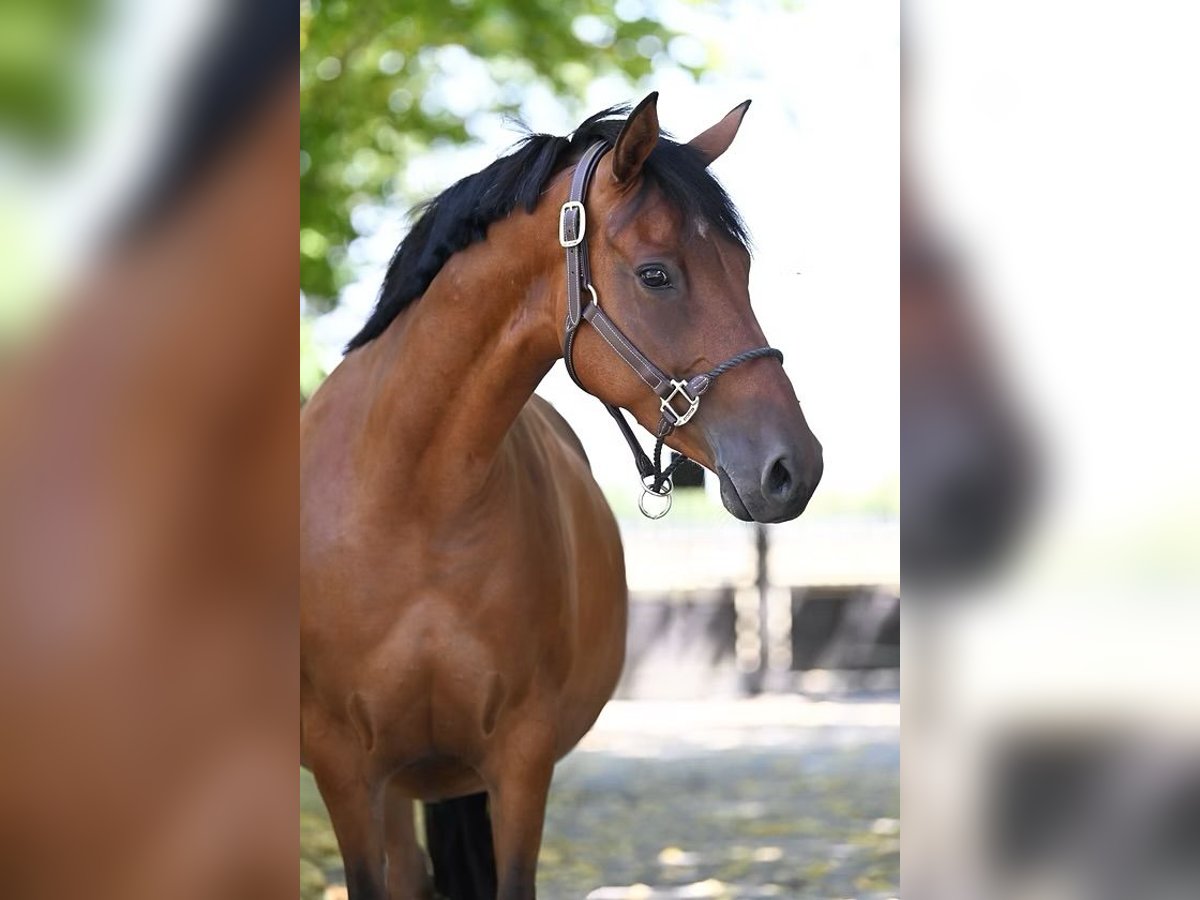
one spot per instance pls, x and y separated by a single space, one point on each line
813 813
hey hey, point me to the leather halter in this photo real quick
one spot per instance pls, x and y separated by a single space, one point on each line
679 398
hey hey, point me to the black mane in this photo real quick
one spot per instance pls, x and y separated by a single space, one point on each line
251 54
461 214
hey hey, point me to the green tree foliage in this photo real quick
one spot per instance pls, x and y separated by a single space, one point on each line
370 86
42 43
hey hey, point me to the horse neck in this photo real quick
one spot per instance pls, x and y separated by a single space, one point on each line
451 375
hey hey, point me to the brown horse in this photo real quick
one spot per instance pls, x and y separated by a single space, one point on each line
148 494
463 587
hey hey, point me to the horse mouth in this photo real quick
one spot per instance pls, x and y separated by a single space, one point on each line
731 498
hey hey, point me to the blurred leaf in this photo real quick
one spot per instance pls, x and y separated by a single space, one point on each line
372 78
42 45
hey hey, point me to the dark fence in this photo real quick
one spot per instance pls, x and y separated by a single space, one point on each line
726 642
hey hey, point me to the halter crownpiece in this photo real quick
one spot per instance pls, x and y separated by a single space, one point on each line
678 398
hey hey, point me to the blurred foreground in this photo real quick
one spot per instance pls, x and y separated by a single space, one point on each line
148 435
1051 522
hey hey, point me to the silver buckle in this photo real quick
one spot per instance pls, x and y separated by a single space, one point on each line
677 419
562 224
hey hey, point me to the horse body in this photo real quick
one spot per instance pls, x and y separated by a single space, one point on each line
147 510
442 598
458 620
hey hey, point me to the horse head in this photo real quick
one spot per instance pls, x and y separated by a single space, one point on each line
669 263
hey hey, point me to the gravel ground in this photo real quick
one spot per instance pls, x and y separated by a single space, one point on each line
774 797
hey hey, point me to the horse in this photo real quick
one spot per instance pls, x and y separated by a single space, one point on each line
463 594
148 537
968 464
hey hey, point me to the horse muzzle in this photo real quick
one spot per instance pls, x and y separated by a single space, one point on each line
770 484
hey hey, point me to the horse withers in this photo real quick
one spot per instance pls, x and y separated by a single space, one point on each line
463 586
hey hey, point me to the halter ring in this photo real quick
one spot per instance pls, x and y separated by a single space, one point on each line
663 493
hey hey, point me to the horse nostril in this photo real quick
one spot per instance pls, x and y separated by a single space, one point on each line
778 481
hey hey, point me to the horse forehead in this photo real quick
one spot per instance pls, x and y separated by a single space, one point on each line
648 219
655 224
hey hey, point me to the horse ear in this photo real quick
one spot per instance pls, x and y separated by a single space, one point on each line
716 140
637 139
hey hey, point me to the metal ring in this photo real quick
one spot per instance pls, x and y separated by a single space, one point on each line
663 493
648 485
646 492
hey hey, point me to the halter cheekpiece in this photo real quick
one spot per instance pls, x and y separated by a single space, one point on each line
678 398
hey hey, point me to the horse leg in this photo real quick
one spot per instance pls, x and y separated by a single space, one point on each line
458 835
356 810
407 875
518 782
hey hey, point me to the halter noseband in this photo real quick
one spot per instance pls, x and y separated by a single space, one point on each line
678 398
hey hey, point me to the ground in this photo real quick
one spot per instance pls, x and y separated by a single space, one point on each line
775 797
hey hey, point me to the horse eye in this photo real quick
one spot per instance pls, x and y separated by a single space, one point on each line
655 277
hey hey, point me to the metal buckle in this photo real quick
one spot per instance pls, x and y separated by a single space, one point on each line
677 419
562 224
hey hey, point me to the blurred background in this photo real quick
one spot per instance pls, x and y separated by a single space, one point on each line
89 96
1049 445
752 750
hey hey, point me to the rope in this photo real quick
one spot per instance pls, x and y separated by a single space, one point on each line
734 361
661 475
